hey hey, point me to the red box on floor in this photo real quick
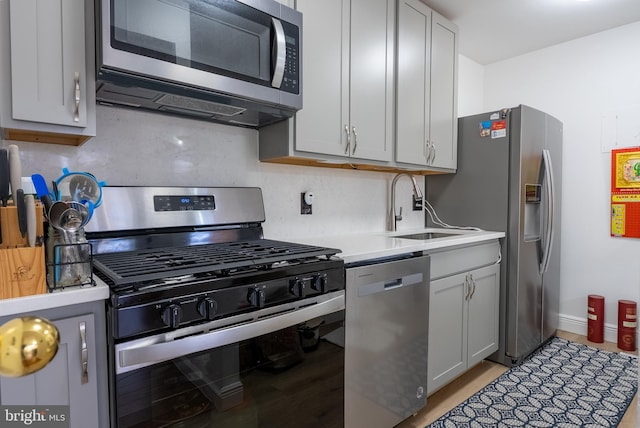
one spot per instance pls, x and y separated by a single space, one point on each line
627 323
595 318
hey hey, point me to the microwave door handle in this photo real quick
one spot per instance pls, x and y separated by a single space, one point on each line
280 48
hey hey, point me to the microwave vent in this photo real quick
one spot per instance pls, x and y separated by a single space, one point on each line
195 105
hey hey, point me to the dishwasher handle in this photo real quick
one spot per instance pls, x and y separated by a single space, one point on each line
393 284
388 285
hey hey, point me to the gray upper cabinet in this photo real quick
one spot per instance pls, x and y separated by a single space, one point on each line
47 70
325 101
348 51
427 88
414 52
348 64
444 93
379 93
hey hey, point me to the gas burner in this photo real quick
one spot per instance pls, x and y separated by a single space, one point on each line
218 259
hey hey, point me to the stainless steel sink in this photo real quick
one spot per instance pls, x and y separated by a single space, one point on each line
426 235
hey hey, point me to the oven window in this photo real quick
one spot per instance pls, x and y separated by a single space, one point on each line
290 378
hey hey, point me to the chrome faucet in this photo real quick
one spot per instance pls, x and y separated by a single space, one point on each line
393 218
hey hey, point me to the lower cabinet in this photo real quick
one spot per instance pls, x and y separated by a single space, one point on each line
463 323
75 377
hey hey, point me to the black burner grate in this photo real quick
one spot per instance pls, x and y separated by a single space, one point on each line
125 268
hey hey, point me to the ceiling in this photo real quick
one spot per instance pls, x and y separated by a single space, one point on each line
493 30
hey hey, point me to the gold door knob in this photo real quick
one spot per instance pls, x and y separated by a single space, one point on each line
27 344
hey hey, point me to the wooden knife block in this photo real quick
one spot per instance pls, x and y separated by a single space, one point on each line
22 268
11 236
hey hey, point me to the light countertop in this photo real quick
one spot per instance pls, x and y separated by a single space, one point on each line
56 298
358 248
354 248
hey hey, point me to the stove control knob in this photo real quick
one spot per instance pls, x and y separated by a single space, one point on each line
208 307
172 315
319 283
256 297
296 287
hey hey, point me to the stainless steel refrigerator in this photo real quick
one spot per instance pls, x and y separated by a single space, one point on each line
509 179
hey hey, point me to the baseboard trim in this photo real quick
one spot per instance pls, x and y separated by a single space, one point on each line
578 325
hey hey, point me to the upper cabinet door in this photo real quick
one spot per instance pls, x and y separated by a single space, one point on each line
325 103
347 66
48 64
414 45
444 75
371 79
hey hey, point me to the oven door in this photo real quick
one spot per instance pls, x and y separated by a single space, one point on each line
277 367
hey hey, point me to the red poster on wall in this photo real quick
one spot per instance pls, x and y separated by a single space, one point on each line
625 192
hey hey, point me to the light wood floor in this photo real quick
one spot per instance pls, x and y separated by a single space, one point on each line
475 379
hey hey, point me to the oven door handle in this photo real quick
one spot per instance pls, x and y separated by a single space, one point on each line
136 357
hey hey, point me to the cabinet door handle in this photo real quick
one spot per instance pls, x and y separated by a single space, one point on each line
432 152
467 288
346 131
84 353
355 140
76 112
473 284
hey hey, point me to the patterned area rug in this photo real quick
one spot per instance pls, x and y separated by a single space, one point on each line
563 384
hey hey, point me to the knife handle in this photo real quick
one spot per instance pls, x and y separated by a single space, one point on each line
4 176
18 199
30 208
15 169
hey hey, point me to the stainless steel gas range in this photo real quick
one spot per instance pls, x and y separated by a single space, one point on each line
211 324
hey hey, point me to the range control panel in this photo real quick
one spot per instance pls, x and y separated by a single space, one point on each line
184 203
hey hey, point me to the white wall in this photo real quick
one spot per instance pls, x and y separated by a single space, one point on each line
577 82
139 148
470 87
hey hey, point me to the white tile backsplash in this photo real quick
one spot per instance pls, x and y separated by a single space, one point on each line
134 147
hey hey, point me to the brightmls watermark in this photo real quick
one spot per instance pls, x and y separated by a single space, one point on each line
34 416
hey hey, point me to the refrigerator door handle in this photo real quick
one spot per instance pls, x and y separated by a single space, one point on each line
548 236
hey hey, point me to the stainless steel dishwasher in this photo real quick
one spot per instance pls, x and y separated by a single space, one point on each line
386 328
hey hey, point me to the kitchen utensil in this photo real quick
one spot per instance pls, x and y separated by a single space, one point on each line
79 186
54 189
85 210
15 168
30 208
4 176
4 181
27 344
43 192
66 244
18 199
64 218
71 257
15 176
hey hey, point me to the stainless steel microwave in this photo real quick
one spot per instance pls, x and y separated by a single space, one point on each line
232 61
